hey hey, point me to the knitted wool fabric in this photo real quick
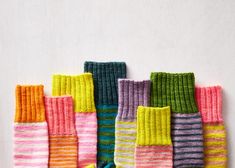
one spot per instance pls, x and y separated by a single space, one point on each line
62 133
30 128
131 94
209 101
153 143
82 90
177 91
105 77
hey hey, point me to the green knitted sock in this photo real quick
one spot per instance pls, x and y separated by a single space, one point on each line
177 91
105 77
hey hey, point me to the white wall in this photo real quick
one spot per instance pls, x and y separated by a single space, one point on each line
42 37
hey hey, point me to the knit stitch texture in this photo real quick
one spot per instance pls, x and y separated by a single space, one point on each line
62 134
30 128
153 143
82 90
106 77
131 95
177 91
209 101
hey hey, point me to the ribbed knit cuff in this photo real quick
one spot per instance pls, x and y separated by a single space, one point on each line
29 104
209 100
60 115
131 95
175 90
153 126
105 75
80 87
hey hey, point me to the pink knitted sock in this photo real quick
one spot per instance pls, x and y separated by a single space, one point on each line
82 90
209 101
62 134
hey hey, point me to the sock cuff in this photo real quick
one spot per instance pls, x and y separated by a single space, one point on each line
105 75
29 103
153 126
60 115
80 87
209 100
175 90
132 94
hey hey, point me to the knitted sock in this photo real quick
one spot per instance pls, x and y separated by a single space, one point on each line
30 128
131 95
62 134
105 77
209 101
82 90
177 91
153 143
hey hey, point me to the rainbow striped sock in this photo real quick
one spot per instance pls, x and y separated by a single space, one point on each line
131 95
62 134
177 91
82 90
105 77
153 143
30 128
209 101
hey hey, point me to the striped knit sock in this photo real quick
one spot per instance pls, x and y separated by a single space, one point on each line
131 95
105 77
153 143
177 91
62 135
209 101
30 128
82 90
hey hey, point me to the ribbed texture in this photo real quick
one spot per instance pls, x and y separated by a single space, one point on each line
86 127
187 140
60 116
131 95
209 100
31 145
63 151
29 104
215 147
175 90
80 87
106 134
153 126
105 75
125 138
159 156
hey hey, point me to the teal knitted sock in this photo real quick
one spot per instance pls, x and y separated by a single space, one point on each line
105 77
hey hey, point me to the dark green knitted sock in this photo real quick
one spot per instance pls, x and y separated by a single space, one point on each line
105 77
177 91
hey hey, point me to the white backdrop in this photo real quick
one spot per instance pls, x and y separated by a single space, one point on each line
42 37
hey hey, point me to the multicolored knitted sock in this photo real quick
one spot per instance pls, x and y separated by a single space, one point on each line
30 128
82 90
209 101
177 91
62 134
131 94
153 143
105 77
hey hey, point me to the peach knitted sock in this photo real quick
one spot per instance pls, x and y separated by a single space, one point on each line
62 134
209 100
30 128
82 90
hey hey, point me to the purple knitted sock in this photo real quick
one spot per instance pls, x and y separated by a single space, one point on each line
131 95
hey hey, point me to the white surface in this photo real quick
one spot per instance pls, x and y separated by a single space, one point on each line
42 37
